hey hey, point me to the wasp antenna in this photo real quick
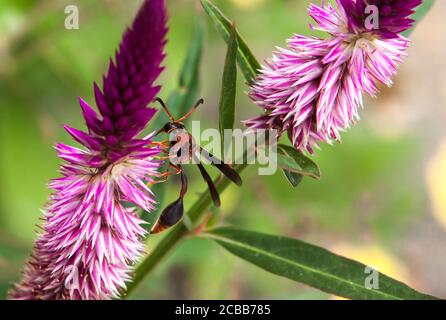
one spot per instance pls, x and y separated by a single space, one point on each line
192 110
161 102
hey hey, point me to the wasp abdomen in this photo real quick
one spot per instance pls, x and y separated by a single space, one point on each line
170 216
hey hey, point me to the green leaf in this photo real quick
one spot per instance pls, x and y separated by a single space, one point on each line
294 178
311 265
179 101
246 60
228 87
421 11
295 161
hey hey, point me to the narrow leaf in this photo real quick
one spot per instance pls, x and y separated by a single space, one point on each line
293 160
246 60
311 265
228 87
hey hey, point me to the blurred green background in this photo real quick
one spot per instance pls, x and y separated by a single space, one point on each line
381 199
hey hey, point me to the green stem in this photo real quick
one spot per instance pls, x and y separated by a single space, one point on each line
195 214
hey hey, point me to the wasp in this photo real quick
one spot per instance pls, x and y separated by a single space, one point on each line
182 140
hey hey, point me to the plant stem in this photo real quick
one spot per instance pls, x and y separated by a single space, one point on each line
195 214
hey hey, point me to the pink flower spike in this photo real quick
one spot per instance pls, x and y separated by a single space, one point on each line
90 240
350 62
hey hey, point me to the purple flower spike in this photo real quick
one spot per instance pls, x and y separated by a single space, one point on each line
90 240
313 89
128 86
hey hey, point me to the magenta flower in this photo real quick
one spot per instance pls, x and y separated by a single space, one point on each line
89 240
313 89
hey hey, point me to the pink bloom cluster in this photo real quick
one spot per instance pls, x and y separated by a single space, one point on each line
90 240
313 89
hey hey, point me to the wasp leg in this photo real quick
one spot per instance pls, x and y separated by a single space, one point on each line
164 176
164 144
